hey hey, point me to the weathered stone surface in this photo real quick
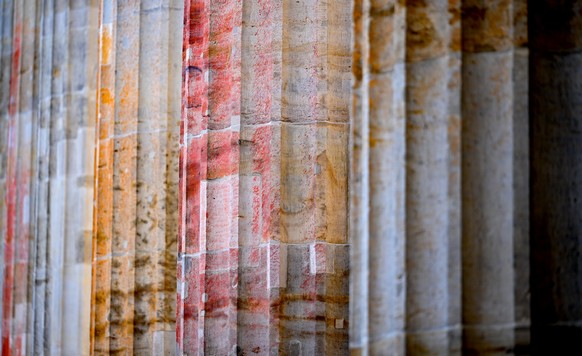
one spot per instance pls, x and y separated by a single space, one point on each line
488 302
136 211
49 76
329 166
428 178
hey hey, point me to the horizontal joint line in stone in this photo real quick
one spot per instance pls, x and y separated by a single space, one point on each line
128 134
243 125
315 122
220 178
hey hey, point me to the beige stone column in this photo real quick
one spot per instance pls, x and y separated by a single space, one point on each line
359 181
377 180
298 145
487 176
427 177
332 251
137 175
315 82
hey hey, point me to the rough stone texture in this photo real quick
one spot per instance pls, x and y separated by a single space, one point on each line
286 263
48 118
136 212
254 316
363 153
359 236
208 248
17 230
555 112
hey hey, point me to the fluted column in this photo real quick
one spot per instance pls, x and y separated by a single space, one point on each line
377 204
137 175
41 258
556 170
50 88
427 177
333 249
71 69
387 287
193 171
258 268
487 178
10 77
298 145
221 269
359 151
17 200
209 181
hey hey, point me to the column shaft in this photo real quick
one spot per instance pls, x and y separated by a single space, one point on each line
387 274
487 183
427 178
137 175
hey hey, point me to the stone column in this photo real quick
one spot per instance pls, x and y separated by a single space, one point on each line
193 173
221 270
5 75
19 130
72 73
137 174
332 167
298 145
377 179
359 181
41 256
487 178
386 284
427 177
208 247
50 81
19 117
556 171
258 271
